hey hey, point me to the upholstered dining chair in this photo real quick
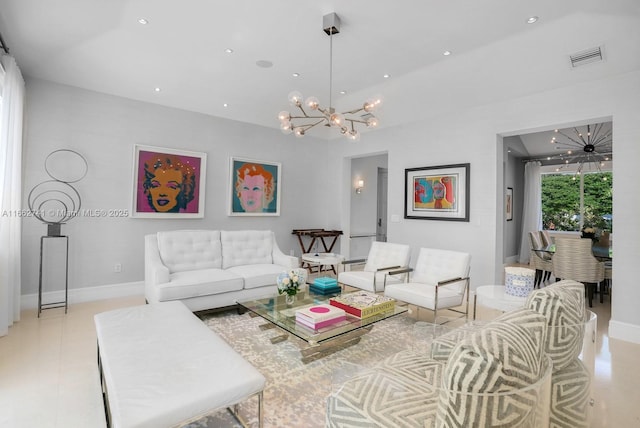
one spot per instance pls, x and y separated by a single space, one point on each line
440 280
574 260
545 238
539 260
383 257
605 286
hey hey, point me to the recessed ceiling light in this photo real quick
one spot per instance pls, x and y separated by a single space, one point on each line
446 53
157 89
228 50
143 21
263 63
386 76
225 105
296 74
532 20
343 92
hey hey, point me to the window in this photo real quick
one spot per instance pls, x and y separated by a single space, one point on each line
571 202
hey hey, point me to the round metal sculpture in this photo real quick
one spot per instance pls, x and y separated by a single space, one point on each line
55 201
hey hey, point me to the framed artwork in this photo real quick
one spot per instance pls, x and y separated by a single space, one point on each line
254 187
437 192
168 183
508 204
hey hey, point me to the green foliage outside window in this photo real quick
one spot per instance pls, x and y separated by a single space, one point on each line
561 201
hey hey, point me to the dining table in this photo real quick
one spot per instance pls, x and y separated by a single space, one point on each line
599 251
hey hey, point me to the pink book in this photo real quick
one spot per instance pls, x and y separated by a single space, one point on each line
320 324
322 312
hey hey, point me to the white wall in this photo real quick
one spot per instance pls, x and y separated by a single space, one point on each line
104 129
317 182
473 135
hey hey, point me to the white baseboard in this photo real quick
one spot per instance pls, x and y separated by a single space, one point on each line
86 294
624 331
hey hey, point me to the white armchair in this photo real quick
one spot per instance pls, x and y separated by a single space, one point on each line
383 257
440 280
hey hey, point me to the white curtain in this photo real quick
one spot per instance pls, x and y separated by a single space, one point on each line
11 115
532 207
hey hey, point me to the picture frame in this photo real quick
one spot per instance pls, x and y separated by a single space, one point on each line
254 187
508 204
179 193
437 192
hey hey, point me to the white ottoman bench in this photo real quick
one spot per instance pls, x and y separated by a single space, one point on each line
161 366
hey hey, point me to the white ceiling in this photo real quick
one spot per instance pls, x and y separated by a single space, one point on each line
99 45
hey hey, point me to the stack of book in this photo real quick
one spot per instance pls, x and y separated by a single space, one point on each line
363 304
319 316
325 285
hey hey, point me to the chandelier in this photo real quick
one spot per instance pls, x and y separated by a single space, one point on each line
588 151
300 122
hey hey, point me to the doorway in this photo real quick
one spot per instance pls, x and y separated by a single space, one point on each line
368 203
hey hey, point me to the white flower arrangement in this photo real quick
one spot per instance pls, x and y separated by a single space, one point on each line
289 282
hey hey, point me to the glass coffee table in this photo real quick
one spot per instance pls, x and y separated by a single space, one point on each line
319 342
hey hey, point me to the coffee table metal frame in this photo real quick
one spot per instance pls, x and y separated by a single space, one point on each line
322 341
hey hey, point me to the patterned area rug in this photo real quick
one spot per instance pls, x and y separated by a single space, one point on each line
295 393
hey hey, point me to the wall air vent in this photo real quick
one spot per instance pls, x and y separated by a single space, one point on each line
586 57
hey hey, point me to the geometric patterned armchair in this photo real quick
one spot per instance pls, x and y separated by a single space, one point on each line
573 259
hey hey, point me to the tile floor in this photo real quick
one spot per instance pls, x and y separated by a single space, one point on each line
49 376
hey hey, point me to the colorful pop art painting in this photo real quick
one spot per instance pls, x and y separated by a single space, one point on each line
437 193
168 183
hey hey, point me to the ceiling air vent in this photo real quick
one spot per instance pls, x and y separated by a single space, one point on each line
586 57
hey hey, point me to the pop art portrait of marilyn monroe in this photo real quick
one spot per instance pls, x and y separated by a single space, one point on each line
169 183
255 187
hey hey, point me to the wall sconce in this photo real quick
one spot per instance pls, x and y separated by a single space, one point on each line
359 186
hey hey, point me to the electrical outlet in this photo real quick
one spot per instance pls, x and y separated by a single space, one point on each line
117 267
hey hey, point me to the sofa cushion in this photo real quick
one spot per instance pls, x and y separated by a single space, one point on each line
203 282
401 392
257 275
570 396
364 280
442 346
246 247
562 304
506 356
185 250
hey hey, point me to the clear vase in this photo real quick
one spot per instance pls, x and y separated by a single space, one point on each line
290 299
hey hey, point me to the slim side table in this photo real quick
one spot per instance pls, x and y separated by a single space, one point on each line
495 297
321 260
63 303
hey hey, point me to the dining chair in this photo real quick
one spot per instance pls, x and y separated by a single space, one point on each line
382 257
608 280
440 280
574 260
539 260
545 238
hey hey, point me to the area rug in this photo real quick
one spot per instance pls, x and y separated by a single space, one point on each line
295 393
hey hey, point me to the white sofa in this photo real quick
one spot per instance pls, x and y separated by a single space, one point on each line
208 269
